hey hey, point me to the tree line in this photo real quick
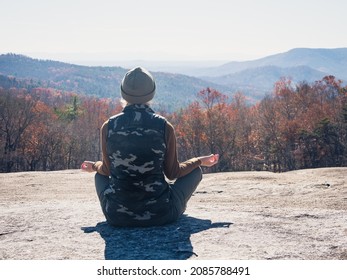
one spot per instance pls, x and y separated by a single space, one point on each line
46 129
296 126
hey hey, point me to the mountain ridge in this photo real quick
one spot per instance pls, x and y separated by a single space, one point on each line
257 77
317 59
254 78
263 78
101 81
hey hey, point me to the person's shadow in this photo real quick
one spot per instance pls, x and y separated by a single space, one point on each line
169 242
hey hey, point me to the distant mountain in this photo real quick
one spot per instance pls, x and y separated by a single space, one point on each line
257 77
100 81
260 80
328 61
173 90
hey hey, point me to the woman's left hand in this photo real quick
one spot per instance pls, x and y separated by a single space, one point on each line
210 160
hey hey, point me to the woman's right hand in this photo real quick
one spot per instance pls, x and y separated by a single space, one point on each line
210 160
87 166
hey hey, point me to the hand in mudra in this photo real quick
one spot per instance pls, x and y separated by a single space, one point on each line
210 160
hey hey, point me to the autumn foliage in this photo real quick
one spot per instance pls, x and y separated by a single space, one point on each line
297 126
45 129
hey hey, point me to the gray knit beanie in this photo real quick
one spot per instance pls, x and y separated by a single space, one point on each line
138 86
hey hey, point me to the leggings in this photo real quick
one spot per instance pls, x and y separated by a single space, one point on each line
181 190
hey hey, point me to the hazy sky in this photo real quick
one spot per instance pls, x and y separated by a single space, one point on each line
169 30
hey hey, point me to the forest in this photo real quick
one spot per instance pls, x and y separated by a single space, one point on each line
297 126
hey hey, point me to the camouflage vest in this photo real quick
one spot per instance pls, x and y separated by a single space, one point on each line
138 193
